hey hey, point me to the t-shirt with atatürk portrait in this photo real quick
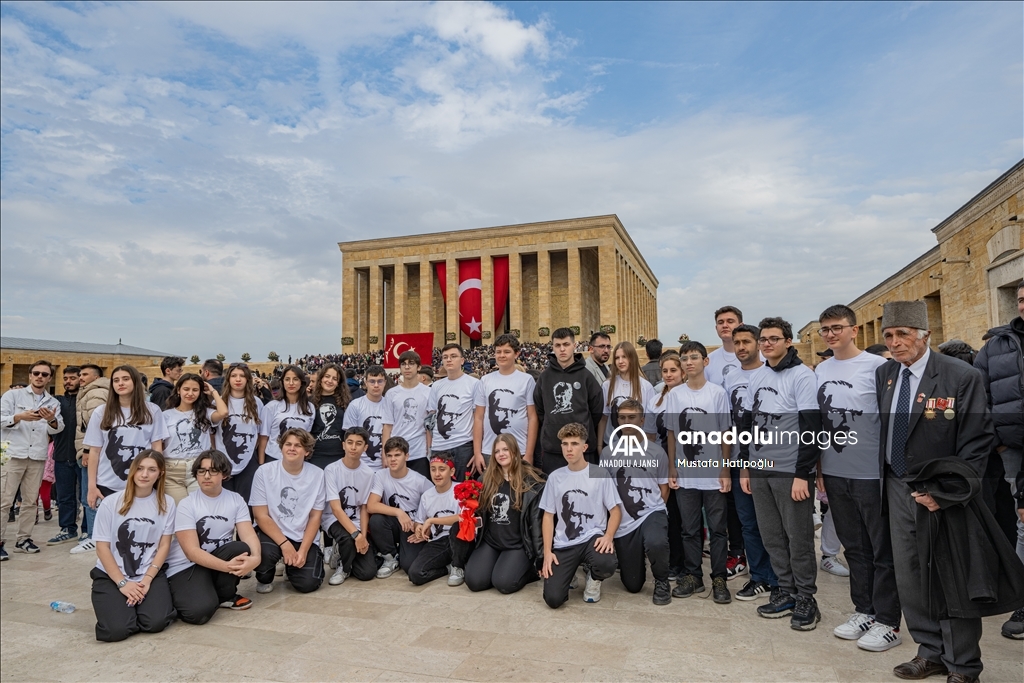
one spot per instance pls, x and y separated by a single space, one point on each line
289 497
120 444
580 502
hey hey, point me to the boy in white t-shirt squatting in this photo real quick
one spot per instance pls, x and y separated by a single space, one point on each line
346 520
394 500
581 515
436 519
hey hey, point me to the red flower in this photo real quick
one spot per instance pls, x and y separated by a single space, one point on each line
467 493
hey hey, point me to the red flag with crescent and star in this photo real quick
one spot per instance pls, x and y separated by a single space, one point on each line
397 344
469 296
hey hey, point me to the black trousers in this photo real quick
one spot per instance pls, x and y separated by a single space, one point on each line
116 620
241 483
387 538
362 566
602 566
675 537
430 560
735 528
304 579
647 541
857 512
549 462
67 475
198 591
506 570
690 502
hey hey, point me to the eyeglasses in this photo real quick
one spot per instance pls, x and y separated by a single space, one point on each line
764 341
206 472
36 373
832 329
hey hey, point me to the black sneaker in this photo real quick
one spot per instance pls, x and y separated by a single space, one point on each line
26 546
47 515
662 592
687 586
1014 627
806 615
3 554
719 591
753 590
780 605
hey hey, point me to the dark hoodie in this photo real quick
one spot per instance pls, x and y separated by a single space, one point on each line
565 395
160 392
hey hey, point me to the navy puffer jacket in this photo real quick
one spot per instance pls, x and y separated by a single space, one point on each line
1001 363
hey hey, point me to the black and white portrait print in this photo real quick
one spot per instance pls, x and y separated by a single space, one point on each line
328 414
129 546
447 415
290 423
571 517
760 410
188 436
237 443
120 450
396 499
837 418
374 424
632 496
501 410
214 531
691 451
288 502
563 398
409 410
500 505
435 529
736 400
347 497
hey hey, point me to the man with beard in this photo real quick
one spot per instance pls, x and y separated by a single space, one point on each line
597 360
65 465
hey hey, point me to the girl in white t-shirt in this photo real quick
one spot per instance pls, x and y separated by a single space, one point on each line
627 382
239 431
292 411
193 410
133 536
127 425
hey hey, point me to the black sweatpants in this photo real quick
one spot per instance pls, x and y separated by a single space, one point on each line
421 465
690 502
387 538
198 591
675 537
647 541
602 566
736 545
304 579
856 510
430 560
549 462
116 620
362 566
506 570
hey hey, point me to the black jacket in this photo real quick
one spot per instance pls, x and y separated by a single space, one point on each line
1001 364
565 395
969 568
64 440
159 392
530 528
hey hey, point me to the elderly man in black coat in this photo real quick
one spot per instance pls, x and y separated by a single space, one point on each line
931 406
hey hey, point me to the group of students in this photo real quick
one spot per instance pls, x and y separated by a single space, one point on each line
366 487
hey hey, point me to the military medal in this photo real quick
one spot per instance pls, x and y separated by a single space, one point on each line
949 413
929 411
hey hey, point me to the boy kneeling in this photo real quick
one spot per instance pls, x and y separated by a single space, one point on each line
587 507
430 545
394 498
346 520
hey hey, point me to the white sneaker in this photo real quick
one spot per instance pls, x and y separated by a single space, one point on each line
592 592
856 626
832 565
264 587
279 569
388 568
86 545
329 558
879 638
338 577
817 521
457 576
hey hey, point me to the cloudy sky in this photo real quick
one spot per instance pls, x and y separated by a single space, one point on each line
178 175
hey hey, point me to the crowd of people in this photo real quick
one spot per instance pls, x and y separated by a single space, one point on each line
587 461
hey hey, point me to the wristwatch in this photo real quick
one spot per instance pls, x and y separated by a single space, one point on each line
122 583
356 533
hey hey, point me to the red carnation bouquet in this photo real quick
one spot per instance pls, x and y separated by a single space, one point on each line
467 493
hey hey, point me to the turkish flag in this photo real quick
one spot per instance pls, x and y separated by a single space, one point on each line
397 344
469 298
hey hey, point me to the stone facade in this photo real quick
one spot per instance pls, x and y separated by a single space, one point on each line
583 272
969 279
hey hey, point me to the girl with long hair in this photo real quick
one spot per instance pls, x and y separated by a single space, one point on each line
193 410
672 376
133 533
292 411
509 546
627 381
330 399
119 431
239 431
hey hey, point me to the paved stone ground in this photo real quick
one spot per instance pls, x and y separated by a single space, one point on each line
390 630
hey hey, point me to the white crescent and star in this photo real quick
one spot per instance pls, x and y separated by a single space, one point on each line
471 283
397 351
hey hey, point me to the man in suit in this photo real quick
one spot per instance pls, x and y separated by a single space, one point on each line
931 406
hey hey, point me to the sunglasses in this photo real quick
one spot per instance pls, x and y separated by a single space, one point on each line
36 373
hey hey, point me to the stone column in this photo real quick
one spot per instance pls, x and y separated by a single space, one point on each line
452 300
399 299
487 297
607 281
575 290
426 296
348 306
515 294
376 285
543 291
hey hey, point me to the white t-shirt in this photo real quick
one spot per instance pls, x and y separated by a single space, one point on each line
404 493
700 412
238 434
434 504
638 487
846 395
133 537
121 443
775 400
580 502
213 519
289 498
405 410
277 418
351 488
454 402
656 413
369 415
720 364
185 439
735 389
620 390
504 399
